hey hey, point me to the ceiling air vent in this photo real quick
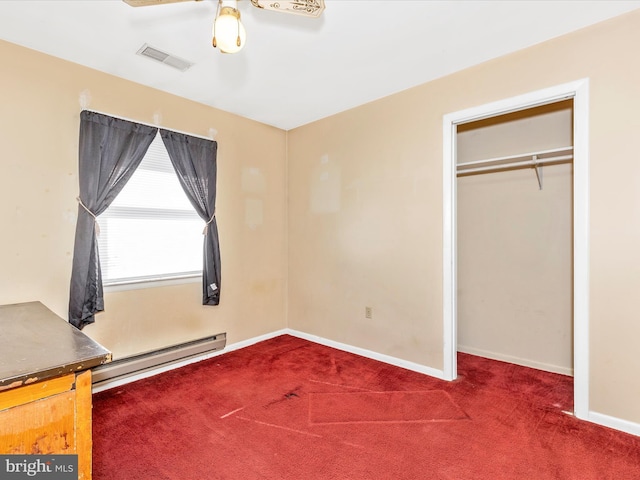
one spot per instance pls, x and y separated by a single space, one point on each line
163 57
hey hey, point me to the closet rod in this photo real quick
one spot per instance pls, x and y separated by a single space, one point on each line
524 156
514 165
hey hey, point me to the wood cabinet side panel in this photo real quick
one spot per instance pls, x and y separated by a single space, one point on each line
83 425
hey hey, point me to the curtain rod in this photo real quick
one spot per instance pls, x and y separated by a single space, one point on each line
210 138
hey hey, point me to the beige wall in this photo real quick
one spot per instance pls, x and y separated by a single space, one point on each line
515 243
381 243
374 244
39 121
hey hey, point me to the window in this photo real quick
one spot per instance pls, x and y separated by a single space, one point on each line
150 231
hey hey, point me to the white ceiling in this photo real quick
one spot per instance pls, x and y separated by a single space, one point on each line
294 70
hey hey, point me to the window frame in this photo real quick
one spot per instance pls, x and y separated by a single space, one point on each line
157 280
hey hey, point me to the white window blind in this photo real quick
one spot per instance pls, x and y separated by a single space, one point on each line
151 230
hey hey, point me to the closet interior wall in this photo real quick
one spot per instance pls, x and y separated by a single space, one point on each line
514 243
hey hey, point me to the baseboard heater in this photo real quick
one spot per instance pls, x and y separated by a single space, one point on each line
135 364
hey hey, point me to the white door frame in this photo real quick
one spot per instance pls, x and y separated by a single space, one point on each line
579 91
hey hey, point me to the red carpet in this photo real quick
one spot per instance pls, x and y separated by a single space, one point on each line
290 409
385 407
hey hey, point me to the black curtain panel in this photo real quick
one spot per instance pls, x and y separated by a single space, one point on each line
109 152
195 162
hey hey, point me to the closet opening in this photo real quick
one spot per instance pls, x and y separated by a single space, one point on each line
515 234
515 237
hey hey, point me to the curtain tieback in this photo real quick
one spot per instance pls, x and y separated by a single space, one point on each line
95 219
206 225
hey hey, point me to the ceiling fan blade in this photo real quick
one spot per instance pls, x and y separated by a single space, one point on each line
148 3
307 8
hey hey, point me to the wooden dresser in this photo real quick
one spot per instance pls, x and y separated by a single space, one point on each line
45 384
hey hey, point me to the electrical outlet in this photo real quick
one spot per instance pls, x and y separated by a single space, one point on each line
368 312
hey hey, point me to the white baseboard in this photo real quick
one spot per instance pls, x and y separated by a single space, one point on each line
547 367
615 423
245 343
398 362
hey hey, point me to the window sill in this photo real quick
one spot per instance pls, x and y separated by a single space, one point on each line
143 284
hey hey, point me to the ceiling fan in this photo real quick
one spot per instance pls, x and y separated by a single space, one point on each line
228 32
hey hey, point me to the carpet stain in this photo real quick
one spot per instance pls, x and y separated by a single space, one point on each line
291 394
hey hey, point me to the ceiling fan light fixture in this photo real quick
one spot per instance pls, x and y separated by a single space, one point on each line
229 34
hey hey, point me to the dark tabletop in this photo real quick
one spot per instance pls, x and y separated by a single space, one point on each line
36 344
